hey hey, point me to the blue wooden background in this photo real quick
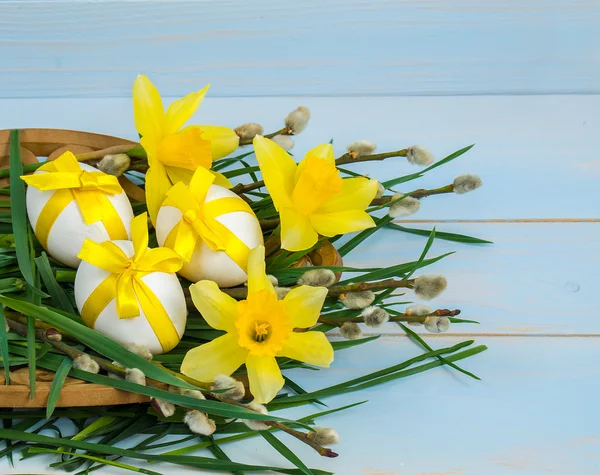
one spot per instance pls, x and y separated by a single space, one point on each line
518 78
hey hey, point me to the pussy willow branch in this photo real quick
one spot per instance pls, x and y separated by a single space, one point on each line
283 131
301 436
240 293
442 312
82 157
342 160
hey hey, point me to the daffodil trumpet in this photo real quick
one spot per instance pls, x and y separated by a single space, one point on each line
311 197
175 152
258 329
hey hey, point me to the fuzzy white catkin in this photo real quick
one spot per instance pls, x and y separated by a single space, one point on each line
274 281
199 423
360 148
236 391
115 165
350 331
166 408
357 300
86 363
254 424
317 278
375 316
284 141
437 324
248 131
324 436
404 207
418 155
417 311
380 191
428 287
135 375
297 120
140 350
467 182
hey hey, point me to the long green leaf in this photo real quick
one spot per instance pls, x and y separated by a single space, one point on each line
18 208
57 293
31 357
4 346
57 385
98 342
195 461
283 450
440 235
428 245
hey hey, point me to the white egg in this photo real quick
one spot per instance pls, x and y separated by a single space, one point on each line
137 330
205 263
69 231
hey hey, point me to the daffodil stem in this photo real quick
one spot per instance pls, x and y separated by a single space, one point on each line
283 131
443 312
348 158
82 157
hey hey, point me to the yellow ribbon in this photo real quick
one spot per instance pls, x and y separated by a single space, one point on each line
125 281
88 189
199 220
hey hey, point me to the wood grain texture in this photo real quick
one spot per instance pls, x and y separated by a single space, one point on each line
333 48
538 156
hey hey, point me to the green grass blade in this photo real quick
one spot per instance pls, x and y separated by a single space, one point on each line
283 450
57 385
31 358
416 337
18 208
4 346
299 389
58 295
428 245
98 342
440 235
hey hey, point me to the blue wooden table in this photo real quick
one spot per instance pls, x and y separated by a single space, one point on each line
519 79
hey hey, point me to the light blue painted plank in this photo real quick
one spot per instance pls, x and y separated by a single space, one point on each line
532 414
310 48
538 156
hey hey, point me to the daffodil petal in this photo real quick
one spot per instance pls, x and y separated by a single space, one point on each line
257 275
186 149
278 169
310 347
323 151
297 233
357 193
217 308
221 356
303 304
157 185
342 222
223 140
148 112
264 376
180 111
221 180
177 174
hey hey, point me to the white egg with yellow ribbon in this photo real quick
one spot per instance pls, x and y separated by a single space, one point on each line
69 202
131 293
211 228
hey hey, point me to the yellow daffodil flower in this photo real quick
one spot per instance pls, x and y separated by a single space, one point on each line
174 152
311 197
258 329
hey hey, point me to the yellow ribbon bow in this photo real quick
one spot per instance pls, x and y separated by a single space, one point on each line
125 281
88 189
199 219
